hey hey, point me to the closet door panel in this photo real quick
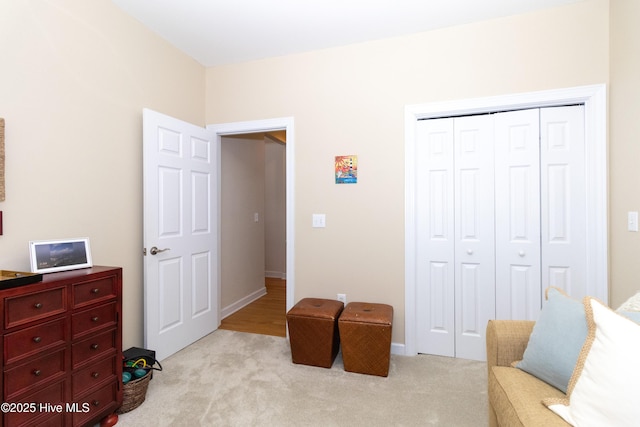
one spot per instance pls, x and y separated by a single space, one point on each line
474 233
434 252
564 207
471 311
517 171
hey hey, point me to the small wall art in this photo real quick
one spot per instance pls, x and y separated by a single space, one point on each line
2 160
346 169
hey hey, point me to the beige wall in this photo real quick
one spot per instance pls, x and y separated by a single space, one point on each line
74 77
241 238
624 148
350 100
275 212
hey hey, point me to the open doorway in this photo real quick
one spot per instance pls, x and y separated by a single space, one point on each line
253 225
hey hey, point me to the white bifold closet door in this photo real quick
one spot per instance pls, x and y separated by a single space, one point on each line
500 206
518 273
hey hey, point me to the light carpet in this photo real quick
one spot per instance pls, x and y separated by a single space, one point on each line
239 379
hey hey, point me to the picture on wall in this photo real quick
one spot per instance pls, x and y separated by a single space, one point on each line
346 169
2 196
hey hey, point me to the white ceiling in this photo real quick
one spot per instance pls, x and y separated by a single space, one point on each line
217 32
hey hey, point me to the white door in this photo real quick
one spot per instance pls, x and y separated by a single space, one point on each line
455 242
474 233
500 216
435 270
180 233
564 200
517 141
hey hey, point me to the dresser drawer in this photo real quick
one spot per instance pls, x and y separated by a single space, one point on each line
93 375
29 341
39 419
91 291
33 373
93 318
95 346
102 400
34 306
53 394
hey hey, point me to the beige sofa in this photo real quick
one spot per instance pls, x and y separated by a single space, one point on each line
514 395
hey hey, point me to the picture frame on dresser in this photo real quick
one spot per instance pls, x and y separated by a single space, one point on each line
48 256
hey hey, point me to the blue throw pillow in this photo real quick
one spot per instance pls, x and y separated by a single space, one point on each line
556 340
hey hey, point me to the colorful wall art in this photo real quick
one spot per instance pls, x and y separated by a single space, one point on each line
346 169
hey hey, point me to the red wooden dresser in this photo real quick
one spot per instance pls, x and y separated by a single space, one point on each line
62 349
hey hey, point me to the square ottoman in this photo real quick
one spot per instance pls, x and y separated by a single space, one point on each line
365 334
313 331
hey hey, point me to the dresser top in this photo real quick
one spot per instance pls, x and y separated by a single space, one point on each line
75 274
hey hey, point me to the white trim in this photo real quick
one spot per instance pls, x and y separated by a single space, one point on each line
283 123
594 98
276 274
243 302
398 349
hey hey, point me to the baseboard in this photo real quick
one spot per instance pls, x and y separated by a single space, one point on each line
232 308
397 349
276 275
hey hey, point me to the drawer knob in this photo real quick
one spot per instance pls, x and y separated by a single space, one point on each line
95 290
37 305
95 374
96 403
37 372
94 346
94 319
37 339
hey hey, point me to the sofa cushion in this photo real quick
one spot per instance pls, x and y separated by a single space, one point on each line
516 398
556 340
606 381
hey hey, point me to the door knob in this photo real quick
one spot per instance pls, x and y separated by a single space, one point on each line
155 250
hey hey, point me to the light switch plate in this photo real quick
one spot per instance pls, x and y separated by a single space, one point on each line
318 220
632 221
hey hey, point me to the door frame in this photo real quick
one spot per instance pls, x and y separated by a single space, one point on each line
594 99
267 125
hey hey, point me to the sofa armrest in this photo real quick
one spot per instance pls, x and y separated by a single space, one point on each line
506 341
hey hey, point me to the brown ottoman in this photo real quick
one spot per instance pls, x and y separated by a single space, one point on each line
365 333
313 331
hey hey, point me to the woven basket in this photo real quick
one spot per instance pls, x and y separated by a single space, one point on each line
134 393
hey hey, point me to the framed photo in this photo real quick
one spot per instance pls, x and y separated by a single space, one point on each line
346 169
48 256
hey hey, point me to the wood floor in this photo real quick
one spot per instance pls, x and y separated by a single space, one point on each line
265 316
